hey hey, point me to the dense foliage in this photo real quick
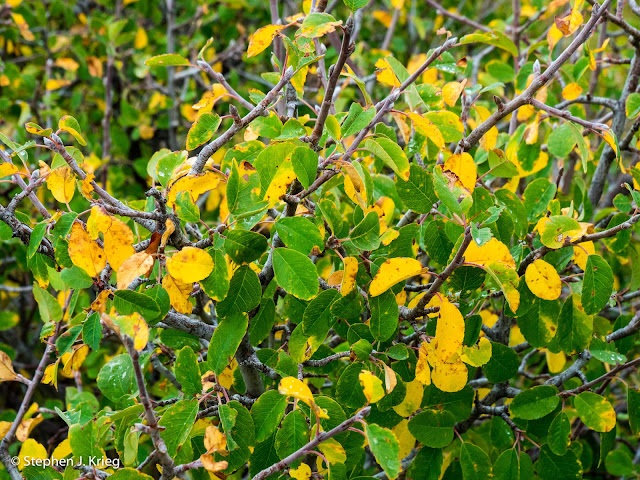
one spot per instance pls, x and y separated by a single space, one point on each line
346 239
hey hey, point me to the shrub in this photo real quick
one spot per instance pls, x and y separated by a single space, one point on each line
382 262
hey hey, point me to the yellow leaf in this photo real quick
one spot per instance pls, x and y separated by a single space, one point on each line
55 84
86 188
372 386
406 441
77 358
196 185
262 38
138 264
303 472
450 377
84 252
100 303
118 237
428 129
132 325
389 236
412 399
451 92
170 228
354 186
211 465
477 355
494 251
6 368
385 74
581 252
7 169
31 450
63 450
423 371
532 130
555 361
141 39
27 425
449 332
390 379
293 387
280 182
543 280
490 139
179 293
569 24
67 63
463 166
50 376
571 91
393 271
62 183
349 275
190 265
333 451
214 440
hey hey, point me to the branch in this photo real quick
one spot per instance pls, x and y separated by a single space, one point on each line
456 17
566 114
611 373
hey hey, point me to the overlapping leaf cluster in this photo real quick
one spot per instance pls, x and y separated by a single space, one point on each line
394 262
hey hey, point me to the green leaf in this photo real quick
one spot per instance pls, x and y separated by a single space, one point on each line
202 130
116 379
317 318
347 391
354 5
128 302
244 246
633 407
366 235
216 285
537 196
71 125
296 273
632 107
244 293
357 119
75 277
267 413
597 285
503 365
188 371
385 449
300 234
225 341
167 164
129 474
507 466
417 192
293 435
92 331
384 316
37 234
495 38
559 437
49 308
538 324
448 123
242 434
390 154
167 60
67 339
475 462
178 420
427 464
535 402
316 25
305 165
262 322
595 411
433 428
554 467
574 327
561 141
186 209
85 441
228 420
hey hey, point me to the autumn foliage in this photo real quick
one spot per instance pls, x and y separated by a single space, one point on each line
347 240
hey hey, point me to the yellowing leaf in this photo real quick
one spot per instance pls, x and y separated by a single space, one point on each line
394 270
62 184
427 128
138 264
76 359
211 465
354 186
581 252
406 441
423 371
494 251
293 387
463 166
7 169
55 84
6 368
553 36
132 325
412 399
31 450
178 293
451 92
569 24
477 355
333 451
543 280
385 74
196 185
490 139
214 440
372 386
100 303
349 275
118 237
262 38
449 332
50 376
303 472
555 361
62 450
280 182
84 252
86 188
190 265
571 91
449 377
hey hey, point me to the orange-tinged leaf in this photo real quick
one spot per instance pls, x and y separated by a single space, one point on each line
427 128
349 275
393 271
543 280
494 251
190 265
84 252
211 465
178 293
62 184
118 237
86 188
214 440
100 303
449 332
138 264
262 38
6 368
463 166
293 387
571 91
